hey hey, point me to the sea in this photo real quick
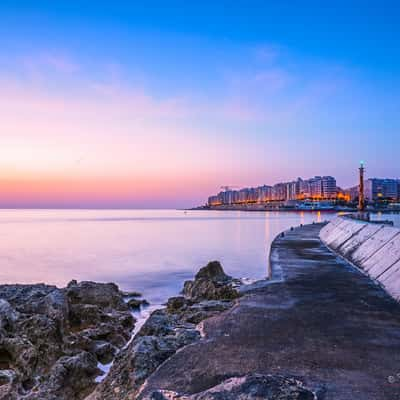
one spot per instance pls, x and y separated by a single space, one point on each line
150 251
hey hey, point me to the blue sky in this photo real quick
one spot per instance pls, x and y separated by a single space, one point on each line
195 95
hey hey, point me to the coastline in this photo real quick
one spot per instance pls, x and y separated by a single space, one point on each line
223 337
264 208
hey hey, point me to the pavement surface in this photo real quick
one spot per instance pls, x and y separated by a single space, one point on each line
320 319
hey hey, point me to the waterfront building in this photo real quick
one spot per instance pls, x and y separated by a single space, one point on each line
378 189
279 192
329 188
304 191
243 195
291 190
317 188
264 194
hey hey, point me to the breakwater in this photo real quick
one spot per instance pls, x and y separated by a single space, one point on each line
374 248
318 320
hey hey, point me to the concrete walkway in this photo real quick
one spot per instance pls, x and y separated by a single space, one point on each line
325 322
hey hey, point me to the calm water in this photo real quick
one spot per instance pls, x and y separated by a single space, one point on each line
388 217
152 251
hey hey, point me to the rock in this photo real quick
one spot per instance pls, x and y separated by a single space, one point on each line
7 384
105 352
177 304
51 339
135 304
205 309
160 323
106 295
70 378
8 315
210 283
212 271
132 367
248 387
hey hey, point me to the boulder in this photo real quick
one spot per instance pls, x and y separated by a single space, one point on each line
211 283
212 271
105 295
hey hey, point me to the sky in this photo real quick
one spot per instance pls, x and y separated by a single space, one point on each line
157 104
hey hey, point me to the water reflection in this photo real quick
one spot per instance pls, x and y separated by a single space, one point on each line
153 251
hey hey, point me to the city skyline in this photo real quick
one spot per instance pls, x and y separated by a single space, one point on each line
316 189
119 106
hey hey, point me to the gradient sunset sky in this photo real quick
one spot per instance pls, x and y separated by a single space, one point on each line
159 103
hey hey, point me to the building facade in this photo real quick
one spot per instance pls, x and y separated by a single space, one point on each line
317 188
381 189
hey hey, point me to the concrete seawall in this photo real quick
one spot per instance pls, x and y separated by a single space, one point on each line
373 248
319 320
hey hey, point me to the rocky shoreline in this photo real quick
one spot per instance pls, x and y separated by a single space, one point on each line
166 331
53 340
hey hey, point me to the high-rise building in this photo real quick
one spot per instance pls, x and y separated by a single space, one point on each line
329 188
264 194
316 190
291 190
304 190
376 189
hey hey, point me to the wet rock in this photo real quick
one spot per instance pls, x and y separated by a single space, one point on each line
105 352
135 304
248 387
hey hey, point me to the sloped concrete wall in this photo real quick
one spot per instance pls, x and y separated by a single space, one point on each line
373 248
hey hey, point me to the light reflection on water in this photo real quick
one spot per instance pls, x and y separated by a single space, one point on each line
152 251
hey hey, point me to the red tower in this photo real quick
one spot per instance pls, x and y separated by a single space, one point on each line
361 200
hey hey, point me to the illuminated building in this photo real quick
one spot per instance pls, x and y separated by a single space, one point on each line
317 188
377 189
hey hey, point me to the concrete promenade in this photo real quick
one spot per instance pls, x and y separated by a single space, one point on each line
320 320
